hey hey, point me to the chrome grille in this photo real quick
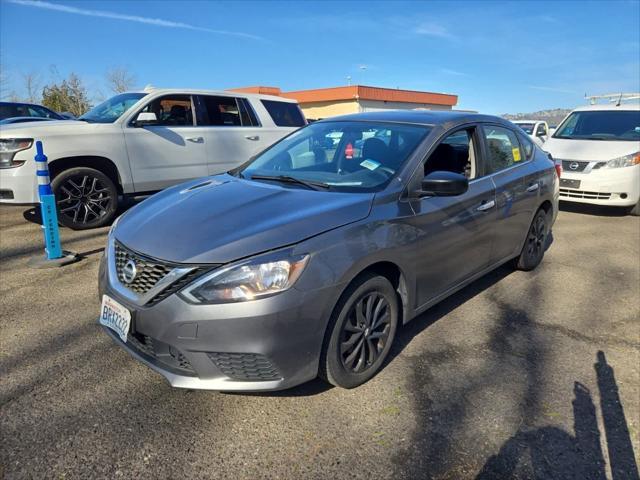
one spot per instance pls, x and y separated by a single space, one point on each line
149 272
566 165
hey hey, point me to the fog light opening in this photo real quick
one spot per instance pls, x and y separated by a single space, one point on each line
623 196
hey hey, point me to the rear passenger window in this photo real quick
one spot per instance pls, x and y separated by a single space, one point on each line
503 148
220 112
527 146
284 114
247 115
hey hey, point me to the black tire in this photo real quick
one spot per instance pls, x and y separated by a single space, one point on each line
86 198
353 353
635 211
535 243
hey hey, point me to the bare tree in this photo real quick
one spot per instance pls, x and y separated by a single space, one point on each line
32 86
120 79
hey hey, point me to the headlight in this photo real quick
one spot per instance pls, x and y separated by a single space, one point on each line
247 281
8 149
626 161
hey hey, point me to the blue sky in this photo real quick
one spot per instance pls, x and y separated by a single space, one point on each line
497 56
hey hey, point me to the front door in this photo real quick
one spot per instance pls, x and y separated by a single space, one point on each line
170 151
455 233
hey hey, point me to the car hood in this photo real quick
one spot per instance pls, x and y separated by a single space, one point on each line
41 128
589 150
220 219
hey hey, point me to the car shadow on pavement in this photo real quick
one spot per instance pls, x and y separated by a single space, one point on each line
596 210
550 452
34 215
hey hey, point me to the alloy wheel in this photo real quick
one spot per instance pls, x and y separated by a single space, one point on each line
536 238
83 199
365 332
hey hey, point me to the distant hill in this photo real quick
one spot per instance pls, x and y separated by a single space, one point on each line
552 117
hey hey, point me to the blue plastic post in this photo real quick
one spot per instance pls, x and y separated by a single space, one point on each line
47 206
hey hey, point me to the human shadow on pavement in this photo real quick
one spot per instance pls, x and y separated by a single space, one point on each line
552 453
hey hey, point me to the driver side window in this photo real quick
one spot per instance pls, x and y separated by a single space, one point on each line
172 110
456 153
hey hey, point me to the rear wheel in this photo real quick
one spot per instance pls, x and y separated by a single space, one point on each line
360 333
536 241
86 198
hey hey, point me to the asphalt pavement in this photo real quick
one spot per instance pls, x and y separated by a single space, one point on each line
519 375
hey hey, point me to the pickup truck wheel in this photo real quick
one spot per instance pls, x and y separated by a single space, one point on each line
86 198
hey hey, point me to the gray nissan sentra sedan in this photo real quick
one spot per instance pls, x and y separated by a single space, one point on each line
306 260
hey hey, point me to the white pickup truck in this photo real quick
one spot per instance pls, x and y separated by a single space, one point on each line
538 130
139 142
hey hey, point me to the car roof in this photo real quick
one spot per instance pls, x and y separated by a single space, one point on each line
26 104
227 93
609 107
419 117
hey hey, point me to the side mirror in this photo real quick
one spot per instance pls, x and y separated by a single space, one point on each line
443 184
146 118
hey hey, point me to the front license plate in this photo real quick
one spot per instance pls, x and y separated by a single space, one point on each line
115 316
569 183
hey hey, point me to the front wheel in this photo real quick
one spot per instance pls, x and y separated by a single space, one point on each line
635 211
86 198
360 333
534 245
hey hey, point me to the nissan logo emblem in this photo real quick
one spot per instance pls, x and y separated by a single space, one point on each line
129 271
574 165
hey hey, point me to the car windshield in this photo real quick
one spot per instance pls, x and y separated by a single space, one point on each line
110 110
621 125
341 156
527 127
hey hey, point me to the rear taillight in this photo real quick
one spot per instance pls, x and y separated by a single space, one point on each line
557 164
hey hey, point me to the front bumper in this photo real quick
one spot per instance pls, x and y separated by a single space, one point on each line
262 345
19 185
604 186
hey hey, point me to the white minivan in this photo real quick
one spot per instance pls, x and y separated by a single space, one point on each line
599 146
139 142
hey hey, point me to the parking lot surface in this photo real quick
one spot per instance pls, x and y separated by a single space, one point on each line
519 375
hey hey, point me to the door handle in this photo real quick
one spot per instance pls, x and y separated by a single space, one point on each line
533 187
195 139
486 206
252 137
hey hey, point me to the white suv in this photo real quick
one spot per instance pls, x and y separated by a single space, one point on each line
137 143
599 146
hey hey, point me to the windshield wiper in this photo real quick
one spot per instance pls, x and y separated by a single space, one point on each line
289 179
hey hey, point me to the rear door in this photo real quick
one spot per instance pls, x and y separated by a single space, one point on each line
232 130
517 186
171 151
456 233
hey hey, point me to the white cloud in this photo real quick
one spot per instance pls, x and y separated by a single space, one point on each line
449 71
158 22
433 29
550 89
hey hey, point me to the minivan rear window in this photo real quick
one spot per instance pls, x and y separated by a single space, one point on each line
284 114
621 125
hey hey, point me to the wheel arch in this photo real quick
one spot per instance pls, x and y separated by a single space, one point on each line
103 164
392 272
